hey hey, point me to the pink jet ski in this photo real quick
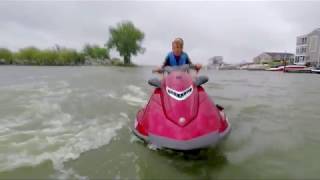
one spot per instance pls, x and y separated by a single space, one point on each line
179 114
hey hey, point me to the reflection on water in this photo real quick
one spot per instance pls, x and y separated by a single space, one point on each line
197 164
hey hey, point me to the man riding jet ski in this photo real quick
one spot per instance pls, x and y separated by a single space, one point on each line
177 57
179 114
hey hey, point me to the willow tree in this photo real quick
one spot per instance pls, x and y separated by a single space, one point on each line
127 39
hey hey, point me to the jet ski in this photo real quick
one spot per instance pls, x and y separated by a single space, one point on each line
180 115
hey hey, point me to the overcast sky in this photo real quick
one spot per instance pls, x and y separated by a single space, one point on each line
238 31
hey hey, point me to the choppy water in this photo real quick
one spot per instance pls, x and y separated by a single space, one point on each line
73 123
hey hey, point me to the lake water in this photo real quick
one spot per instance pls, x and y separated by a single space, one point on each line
73 123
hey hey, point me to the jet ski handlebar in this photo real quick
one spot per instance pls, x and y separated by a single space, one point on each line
184 68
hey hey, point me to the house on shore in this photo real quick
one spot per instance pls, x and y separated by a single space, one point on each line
215 62
308 48
269 57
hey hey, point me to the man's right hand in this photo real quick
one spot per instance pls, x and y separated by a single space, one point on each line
198 66
156 70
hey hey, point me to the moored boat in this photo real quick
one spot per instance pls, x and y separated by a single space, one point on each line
280 68
316 71
256 67
305 70
288 68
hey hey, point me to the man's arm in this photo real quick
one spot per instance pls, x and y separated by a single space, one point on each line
188 60
166 62
198 66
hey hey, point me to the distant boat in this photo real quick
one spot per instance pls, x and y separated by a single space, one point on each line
228 67
280 68
256 67
316 70
305 70
287 68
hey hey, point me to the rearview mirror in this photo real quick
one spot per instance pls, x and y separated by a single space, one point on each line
201 80
154 82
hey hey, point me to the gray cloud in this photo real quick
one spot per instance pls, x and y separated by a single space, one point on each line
236 30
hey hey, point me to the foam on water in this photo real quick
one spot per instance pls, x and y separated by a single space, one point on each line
133 100
111 95
52 133
66 148
136 90
135 97
153 147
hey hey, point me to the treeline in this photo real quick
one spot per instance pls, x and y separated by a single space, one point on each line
54 56
124 38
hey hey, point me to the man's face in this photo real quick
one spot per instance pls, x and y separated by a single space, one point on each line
176 49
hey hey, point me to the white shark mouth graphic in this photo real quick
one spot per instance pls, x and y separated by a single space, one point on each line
179 95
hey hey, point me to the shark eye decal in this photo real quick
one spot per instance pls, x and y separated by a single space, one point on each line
179 95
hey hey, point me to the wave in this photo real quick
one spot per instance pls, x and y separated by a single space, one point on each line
135 97
42 131
60 144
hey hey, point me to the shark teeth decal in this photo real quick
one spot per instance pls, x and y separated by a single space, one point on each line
177 95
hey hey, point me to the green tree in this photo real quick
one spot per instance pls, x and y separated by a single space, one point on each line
67 56
126 38
275 63
29 55
96 52
48 57
55 56
6 55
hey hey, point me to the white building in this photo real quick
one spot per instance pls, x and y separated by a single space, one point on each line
267 57
215 62
308 48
